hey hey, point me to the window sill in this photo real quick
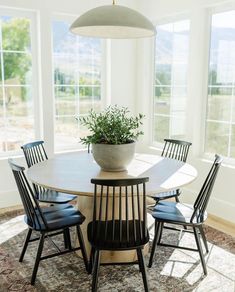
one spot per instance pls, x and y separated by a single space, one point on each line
69 151
13 155
204 158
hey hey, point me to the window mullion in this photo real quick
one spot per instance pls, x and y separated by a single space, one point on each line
3 92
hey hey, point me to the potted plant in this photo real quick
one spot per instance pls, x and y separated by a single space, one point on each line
113 133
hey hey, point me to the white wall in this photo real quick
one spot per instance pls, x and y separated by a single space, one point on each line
120 83
222 203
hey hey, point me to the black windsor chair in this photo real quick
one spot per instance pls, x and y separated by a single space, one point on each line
34 153
192 216
174 149
47 221
119 221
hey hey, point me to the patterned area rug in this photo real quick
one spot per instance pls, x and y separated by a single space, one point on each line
173 270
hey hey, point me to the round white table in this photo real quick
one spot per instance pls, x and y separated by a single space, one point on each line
71 173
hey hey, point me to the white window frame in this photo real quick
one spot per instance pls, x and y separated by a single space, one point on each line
36 81
163 21
220 8
105 87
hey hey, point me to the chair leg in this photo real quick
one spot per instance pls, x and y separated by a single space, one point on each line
143 269
200 250
67 239
204 238
83 249
95 271
26 242
91 261
160 232
155 240
155 226
38 257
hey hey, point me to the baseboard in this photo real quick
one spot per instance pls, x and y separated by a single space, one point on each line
10 209
221 224
216 207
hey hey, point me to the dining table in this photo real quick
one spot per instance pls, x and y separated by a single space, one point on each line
72 173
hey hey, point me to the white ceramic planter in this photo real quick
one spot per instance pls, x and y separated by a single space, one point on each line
113 157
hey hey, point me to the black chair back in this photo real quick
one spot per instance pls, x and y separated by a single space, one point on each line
35 217
119 212
205 192
176 149
34 153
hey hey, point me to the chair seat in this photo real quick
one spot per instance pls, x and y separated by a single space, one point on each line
59 219
165 195
55 208
108 243
176 212
53 197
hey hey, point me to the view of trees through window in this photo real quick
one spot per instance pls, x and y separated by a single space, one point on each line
16 102
170 84
220 122
77 82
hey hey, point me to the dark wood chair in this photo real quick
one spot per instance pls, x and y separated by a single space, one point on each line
47 222
193 216
174 149
119 221
34 153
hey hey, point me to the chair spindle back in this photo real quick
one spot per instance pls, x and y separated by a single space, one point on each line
205 192
120 210
176 149
32 209
34 153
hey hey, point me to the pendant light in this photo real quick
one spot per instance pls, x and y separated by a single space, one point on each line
114 22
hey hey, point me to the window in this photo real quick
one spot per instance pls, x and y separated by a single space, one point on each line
17 125
77 82
170 80
220 121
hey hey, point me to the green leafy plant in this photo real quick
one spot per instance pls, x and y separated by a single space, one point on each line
114 125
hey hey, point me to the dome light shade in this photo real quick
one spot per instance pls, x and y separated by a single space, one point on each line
114 22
